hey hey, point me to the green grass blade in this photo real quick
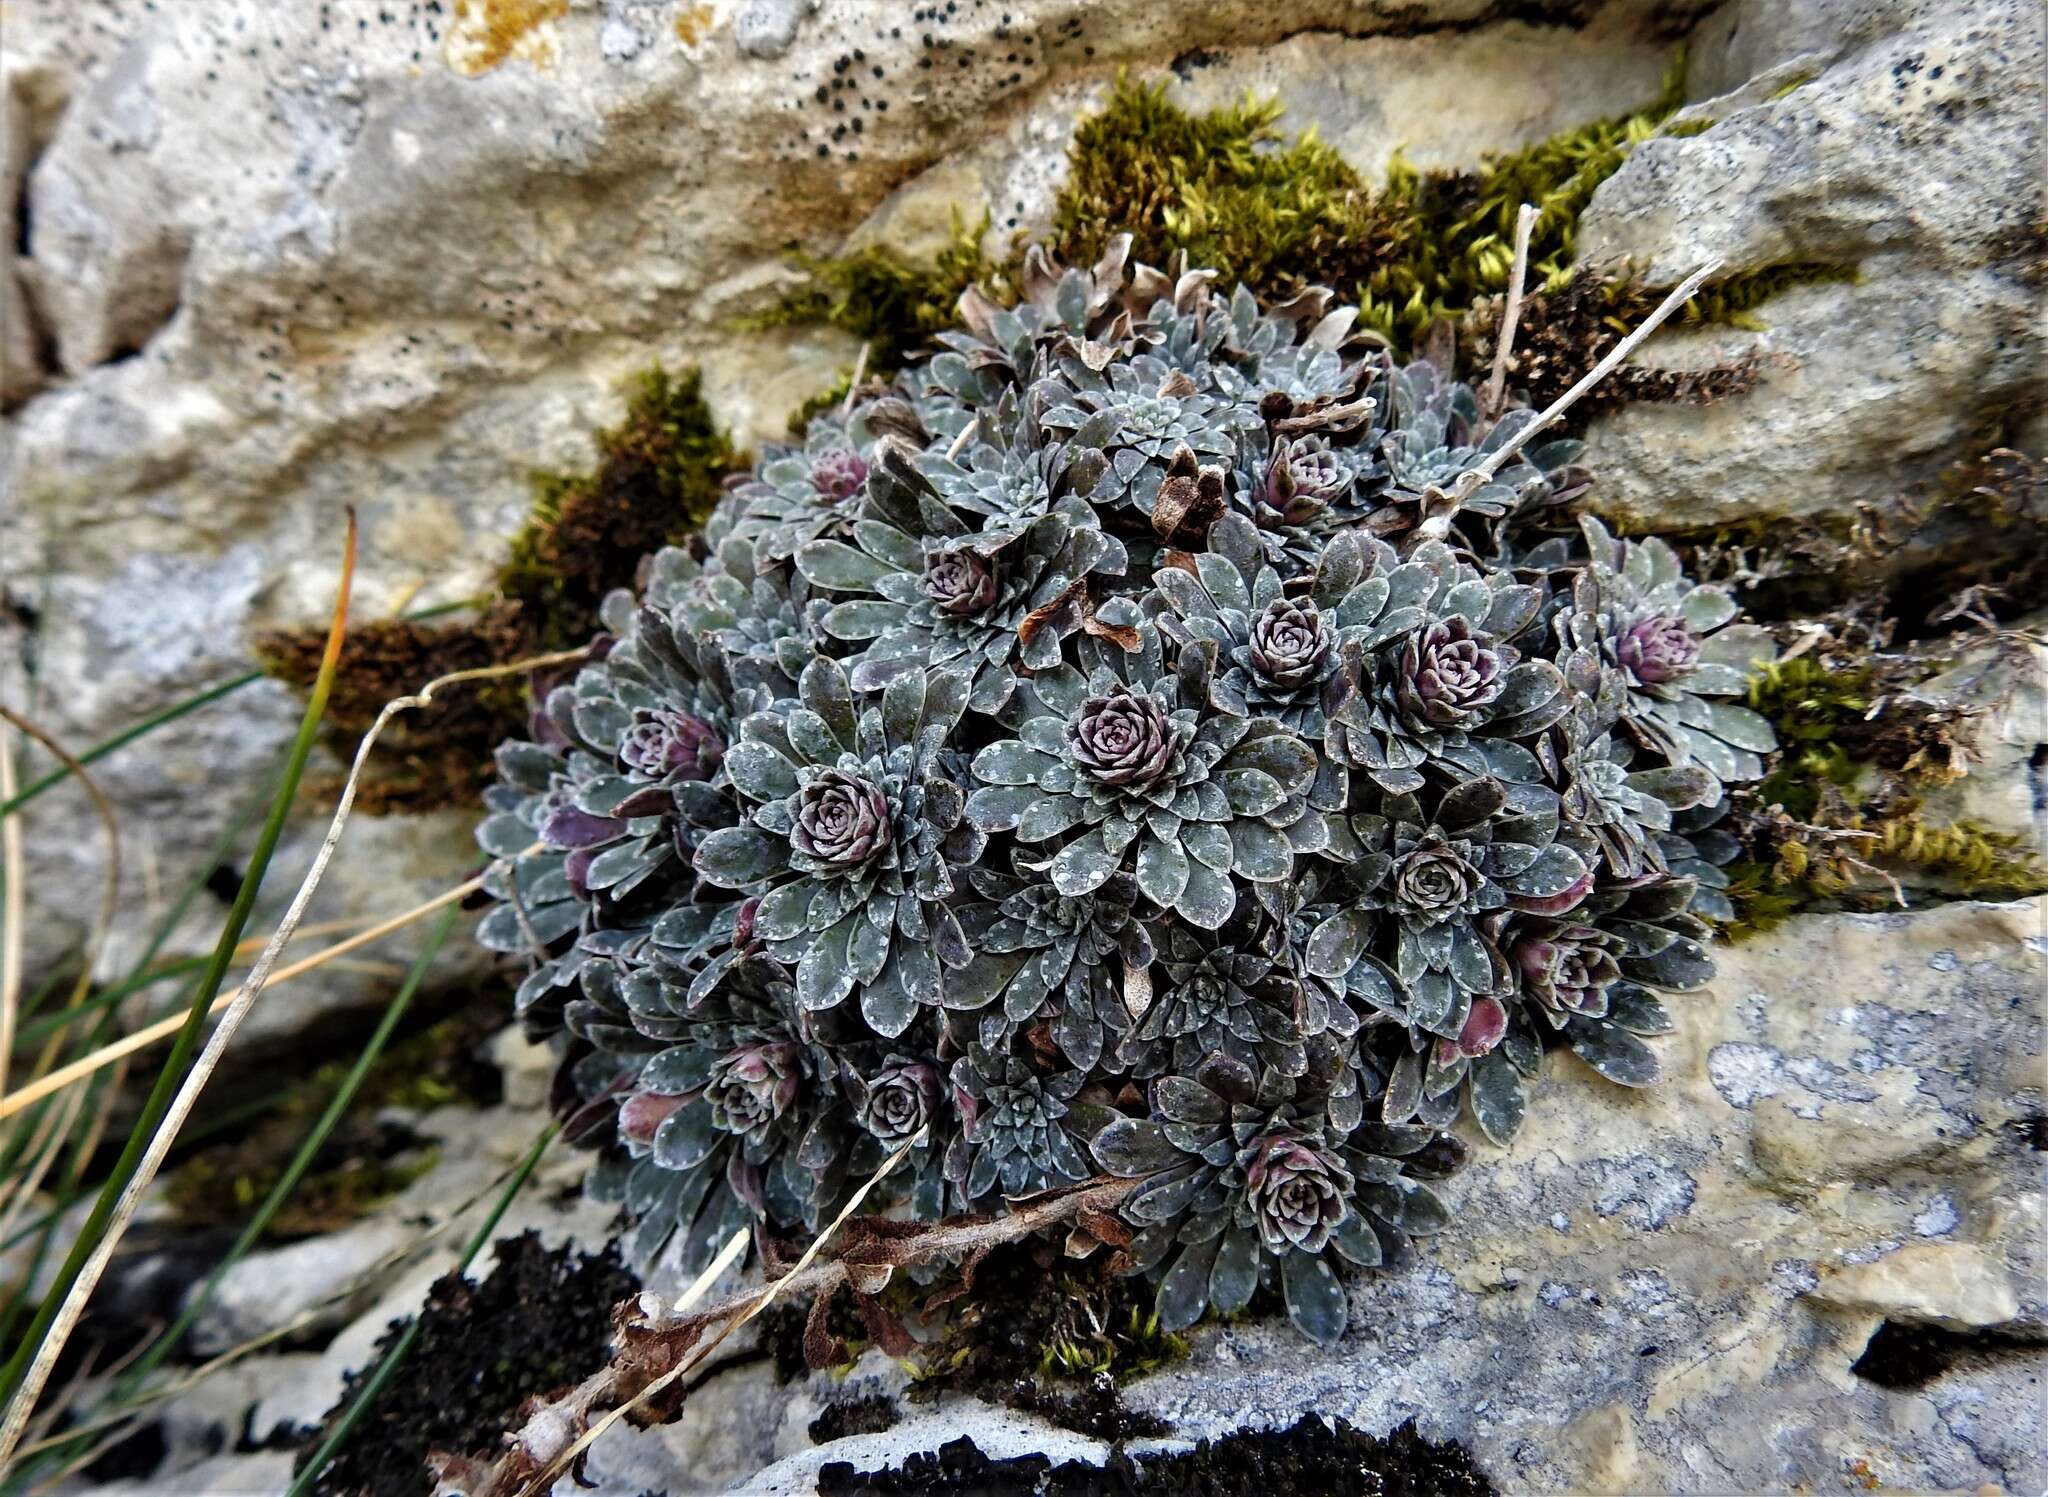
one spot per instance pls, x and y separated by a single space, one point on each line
177 710
172 1075
139 976
388 1367
301 1161
127 736
48 1024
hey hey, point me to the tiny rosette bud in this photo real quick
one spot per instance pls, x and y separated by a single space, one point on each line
838 474
1297 1192
1447 675
1658 650
1289 640
1122 737
841 821
959 581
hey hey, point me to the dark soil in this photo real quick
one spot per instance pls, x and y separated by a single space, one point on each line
1904 1356
540 1322
1092 1408
1313 1459
868 1415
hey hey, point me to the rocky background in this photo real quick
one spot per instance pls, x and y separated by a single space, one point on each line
259 262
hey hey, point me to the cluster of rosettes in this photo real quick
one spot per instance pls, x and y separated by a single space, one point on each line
1091 753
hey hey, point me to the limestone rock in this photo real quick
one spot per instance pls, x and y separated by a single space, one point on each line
1950 1284
2000 689
1912 153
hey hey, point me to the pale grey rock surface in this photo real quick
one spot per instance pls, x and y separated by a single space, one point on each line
1912 151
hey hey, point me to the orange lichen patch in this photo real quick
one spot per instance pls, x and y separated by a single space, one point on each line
693 23
486 33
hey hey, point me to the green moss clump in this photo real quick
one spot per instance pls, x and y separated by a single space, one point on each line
1226 188
895 305
1849 861
1231 190
659 472
1854 743
1126 1349
1733 300
824 400
1460 248
1813 709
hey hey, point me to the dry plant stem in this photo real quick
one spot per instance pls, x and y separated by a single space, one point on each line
28 1096
807 1277
42 1151
960 442
13 913
860 367
1680 295
224 1033
1437 526
758 1302
701 1285
161 1121
1497 383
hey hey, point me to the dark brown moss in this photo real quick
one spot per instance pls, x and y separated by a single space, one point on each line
658 473
436 756
1561 334
362 1164
1041 1332
1034 1330
868 1415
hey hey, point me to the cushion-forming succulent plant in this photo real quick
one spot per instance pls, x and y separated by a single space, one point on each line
1246 1180
1678 651
1104 750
